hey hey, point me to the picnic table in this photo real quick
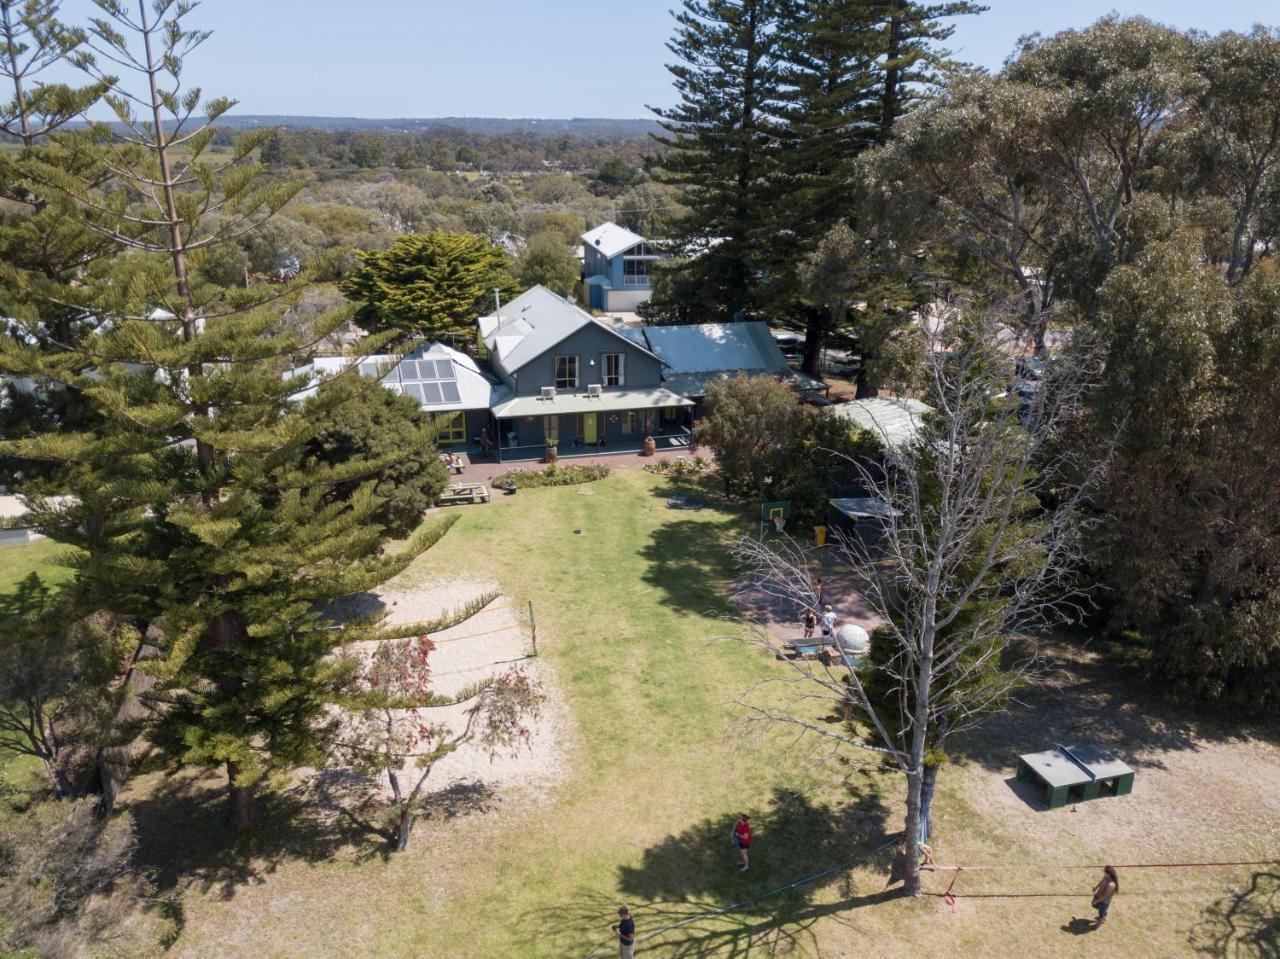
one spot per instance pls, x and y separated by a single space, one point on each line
464 493
460 462
1076 773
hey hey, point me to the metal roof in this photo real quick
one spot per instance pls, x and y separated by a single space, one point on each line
611 239
533 323
895 419
609 401
699 353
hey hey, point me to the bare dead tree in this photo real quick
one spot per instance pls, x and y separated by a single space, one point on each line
977 546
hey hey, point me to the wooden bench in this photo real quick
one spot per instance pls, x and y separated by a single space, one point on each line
464 493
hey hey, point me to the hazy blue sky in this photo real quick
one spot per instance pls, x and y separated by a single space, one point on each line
548 58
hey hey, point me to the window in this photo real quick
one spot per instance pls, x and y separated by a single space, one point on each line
614 369
635 272
566 372
630 422
551 428
453 428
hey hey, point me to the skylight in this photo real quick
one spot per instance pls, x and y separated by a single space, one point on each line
432 382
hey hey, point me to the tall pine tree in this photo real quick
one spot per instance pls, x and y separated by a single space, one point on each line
726 78
37 233
191 510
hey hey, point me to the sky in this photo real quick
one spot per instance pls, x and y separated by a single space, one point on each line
532 58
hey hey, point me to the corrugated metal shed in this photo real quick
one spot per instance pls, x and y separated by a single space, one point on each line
896 420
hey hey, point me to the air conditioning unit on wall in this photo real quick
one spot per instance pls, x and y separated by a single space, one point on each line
594 390
548 392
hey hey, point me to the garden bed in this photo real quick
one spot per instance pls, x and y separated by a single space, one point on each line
553 475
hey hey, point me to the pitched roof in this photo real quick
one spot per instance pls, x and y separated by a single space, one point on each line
698 353
709 347
533 323
440 378
611 239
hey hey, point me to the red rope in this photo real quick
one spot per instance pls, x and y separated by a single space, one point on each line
1132 865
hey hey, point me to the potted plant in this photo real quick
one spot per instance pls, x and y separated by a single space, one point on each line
550 453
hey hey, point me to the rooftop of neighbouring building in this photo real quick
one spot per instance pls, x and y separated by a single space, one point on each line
611 239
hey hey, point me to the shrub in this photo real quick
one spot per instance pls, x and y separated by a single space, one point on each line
681 467
553 475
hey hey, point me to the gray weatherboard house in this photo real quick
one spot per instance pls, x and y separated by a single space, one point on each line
576 379
556 372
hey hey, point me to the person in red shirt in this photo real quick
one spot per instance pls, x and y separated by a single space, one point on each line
742 839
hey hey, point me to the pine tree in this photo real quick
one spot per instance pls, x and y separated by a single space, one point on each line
36 233
726 76
193 514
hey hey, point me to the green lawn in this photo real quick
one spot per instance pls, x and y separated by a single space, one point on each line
628 611
40 557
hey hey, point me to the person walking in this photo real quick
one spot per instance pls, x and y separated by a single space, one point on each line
625 930
810 620
817 591
742 839
1104 892
828 622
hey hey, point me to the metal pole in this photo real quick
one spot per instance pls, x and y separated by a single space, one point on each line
533 628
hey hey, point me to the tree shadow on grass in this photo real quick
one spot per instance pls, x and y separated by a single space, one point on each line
688 558
1244 924
187 841
1080 694
186 838
696 872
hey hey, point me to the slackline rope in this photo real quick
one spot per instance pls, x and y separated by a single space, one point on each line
949 897
1131 865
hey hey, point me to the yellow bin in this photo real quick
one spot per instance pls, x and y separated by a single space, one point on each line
820 535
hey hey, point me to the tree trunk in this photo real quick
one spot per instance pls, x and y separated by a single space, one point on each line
404 823
814 337
892 74
911 834
927 787
865 388
240 797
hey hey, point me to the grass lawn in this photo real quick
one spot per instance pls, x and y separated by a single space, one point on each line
627 611
19 562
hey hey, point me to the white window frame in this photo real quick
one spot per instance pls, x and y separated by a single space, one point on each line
621 373
565 382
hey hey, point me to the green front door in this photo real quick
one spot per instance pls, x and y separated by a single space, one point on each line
589 429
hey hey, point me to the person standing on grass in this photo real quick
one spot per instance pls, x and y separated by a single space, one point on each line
810 620
625 930
828 622
742 839
1105 891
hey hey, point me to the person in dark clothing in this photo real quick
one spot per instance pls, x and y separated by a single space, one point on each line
810 620
625 929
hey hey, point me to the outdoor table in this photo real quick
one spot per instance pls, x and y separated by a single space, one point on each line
1076 773
465 493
